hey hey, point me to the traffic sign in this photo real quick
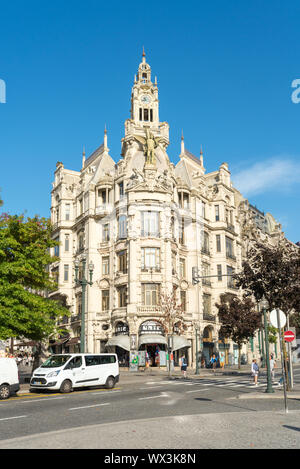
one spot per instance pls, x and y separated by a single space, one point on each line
273 318
289 336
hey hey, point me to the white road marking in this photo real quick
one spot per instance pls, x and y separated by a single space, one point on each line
42 399
89 406
17 417
103 393
153 397
196 390
152 387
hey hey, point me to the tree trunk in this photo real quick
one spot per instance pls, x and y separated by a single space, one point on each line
239 365
40 355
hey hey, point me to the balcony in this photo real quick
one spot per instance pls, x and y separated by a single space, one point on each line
150 234
151 269
230 227
209 317
103 209
149 309
230 255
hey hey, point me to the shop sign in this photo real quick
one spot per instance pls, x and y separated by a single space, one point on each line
151 327
122 328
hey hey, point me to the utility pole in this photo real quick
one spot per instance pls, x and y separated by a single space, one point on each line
83 282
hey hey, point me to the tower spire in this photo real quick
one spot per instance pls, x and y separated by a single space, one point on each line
105 138
182 142
83 157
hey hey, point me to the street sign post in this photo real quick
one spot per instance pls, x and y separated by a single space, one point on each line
289 336
278 320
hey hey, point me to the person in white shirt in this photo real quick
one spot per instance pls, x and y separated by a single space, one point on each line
254 371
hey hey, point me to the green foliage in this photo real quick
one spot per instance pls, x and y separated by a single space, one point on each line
24 278
238 317
272 334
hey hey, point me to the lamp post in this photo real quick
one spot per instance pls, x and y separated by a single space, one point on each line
83 282
264 305
197 350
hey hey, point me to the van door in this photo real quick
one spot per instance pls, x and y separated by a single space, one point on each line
93 370
109 367
75 370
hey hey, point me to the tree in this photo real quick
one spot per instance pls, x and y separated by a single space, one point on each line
172 315
273 272
25 309
239 319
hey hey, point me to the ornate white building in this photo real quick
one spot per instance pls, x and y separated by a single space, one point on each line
145 223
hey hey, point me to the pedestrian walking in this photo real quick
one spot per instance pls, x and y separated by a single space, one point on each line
213 362
272 367
183 366
254 371
222 360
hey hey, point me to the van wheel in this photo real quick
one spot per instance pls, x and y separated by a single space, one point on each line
66 386
4 391
110 382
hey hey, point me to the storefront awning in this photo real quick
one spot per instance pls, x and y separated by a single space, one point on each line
180 342
152 339
119 340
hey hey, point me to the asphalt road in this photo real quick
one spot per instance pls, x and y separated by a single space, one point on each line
149 399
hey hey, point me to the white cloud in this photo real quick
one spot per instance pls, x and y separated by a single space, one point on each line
276 174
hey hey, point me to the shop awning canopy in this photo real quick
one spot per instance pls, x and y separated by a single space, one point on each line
180 342
119 340
152 339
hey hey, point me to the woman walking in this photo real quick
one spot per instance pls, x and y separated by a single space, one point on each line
254 371
183 366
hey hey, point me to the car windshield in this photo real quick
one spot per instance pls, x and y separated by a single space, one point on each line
55 361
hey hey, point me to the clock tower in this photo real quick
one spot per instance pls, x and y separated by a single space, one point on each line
144 112
144 97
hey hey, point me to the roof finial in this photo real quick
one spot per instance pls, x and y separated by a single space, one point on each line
201 155
83 157
105 138
182 143
144 56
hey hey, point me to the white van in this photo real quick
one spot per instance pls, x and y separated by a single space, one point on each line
9 377
65 372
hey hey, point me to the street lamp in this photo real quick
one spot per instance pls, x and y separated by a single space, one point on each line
197 350
83 282
264 305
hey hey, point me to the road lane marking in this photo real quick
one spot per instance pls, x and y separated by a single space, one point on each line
17 417
153 397
89 406
46 399
152 387
111 392
196 390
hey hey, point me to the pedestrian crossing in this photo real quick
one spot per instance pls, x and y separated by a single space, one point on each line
219 382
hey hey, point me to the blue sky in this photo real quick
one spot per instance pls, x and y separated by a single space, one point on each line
224 69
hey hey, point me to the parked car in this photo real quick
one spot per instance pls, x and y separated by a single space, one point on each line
65 372
9 378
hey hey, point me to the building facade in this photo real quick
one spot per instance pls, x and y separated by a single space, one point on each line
145 223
